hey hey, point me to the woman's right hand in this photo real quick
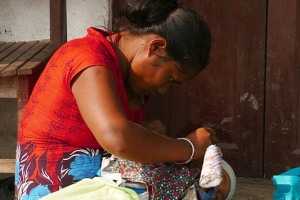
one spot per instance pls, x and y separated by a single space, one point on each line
201 139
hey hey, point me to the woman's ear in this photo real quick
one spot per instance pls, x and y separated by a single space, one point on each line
157 46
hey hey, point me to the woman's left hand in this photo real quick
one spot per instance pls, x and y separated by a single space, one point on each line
155 125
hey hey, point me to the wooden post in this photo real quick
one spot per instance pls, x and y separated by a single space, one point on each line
58 22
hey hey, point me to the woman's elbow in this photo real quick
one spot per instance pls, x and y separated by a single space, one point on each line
116 142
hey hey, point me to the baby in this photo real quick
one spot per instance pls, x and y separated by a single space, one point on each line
171 181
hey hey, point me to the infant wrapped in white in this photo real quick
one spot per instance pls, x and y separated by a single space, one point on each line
211 173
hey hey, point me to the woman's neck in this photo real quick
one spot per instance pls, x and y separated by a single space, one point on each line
117 42
120 45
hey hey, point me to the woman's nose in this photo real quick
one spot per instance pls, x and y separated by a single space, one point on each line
163 89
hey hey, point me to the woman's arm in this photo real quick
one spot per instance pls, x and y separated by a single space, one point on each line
96 95
155 125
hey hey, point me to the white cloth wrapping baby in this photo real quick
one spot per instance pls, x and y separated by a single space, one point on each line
211 173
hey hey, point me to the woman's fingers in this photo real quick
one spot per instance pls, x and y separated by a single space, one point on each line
202 138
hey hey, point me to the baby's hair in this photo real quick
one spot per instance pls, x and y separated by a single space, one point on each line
187 34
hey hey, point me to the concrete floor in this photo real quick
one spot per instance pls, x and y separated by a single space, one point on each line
254 188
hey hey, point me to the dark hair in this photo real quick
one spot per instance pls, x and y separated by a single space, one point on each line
187 34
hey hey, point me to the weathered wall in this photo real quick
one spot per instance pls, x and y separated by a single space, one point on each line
22 20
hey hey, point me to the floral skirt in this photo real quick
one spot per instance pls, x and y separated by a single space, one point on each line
44 170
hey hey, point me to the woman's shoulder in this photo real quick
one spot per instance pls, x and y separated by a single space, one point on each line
92 48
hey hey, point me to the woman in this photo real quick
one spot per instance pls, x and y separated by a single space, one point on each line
92 93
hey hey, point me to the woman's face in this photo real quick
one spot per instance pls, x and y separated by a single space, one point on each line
151 70
154 75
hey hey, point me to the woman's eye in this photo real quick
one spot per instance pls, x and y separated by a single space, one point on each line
171 79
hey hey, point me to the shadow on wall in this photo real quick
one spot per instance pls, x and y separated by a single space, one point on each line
8 127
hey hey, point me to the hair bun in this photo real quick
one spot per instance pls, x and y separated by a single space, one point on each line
144 13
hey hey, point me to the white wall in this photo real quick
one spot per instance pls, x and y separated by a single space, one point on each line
23 20
82 14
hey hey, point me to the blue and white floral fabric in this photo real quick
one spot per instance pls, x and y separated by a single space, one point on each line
70 168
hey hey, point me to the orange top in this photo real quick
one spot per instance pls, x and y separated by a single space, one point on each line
55 146
52 113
